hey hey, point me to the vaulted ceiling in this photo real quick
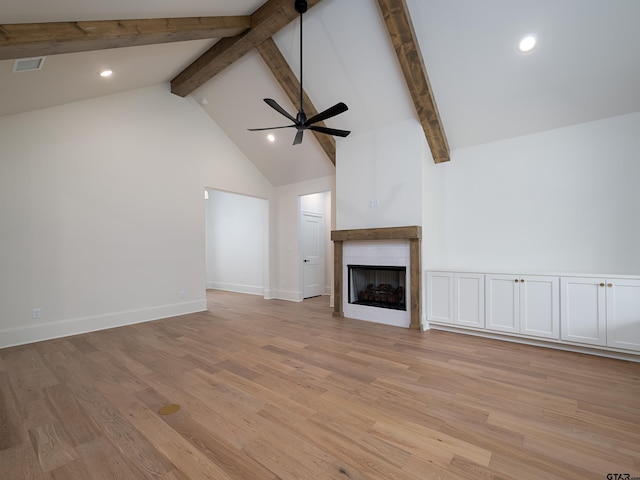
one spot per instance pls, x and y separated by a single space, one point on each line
585 67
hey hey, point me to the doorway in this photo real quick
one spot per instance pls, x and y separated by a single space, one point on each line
236 242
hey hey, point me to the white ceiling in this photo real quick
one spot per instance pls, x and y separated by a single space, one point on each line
586 67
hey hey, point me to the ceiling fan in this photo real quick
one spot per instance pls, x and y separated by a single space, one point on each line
300 121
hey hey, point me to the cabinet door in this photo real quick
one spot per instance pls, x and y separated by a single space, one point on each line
623 313
468 294
440 297
502 303
540 306
583 310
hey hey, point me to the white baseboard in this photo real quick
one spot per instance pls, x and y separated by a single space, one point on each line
237 287
46 331
610 353
290 295
268 294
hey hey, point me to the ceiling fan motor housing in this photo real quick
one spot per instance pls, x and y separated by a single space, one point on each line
301 6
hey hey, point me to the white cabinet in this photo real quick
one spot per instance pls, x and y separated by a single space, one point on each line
523 304
583 310
440 297
468 299
623 313
540 306
455 298
503 303
601 311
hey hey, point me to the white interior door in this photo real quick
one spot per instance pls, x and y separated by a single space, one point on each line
312 257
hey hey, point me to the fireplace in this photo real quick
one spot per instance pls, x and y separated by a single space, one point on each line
378 286
370 248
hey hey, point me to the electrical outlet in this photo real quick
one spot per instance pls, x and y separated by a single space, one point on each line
181 294
35 313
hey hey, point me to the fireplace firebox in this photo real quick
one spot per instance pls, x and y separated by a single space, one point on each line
377 286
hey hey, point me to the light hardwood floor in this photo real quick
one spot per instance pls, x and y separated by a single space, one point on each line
277 390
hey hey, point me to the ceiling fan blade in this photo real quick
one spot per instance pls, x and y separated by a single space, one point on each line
330 131
273 104
337 109
298 139
269 128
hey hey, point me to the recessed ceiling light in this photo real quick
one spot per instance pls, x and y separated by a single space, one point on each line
105 73
271 137
527 43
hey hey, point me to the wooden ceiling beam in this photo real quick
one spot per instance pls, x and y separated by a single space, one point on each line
269 19
23 40
291 85
398 22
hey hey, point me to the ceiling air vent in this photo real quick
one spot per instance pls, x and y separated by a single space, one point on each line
28 64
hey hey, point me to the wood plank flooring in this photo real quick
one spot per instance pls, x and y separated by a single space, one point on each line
270 389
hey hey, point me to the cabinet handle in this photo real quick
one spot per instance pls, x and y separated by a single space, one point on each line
522 280
516 280
609 285
602 284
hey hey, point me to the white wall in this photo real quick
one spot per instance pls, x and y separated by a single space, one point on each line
289 260
102 212
237 232
564 200
313 203
383 165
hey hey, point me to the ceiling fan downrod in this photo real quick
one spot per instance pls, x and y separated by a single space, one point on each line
301 7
